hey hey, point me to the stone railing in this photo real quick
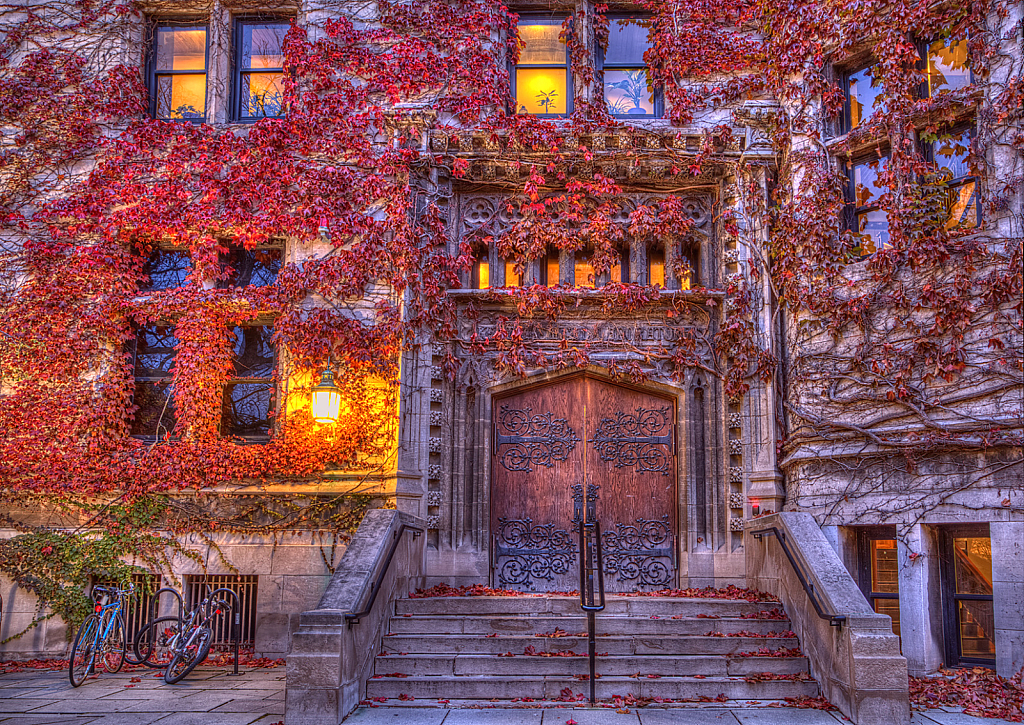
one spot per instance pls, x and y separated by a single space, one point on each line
332 653
852 651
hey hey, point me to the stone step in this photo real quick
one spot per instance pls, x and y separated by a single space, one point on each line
606 625
509 687
559 605
616 665
614 645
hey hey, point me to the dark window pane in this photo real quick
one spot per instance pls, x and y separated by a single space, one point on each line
250 268
629 92
627 42
976 622
181 96
154 351
863 93
155 414
540 45
254 352
947 66
179 48
166 269
247 409
261 45
262 94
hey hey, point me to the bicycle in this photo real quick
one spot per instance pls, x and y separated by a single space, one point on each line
101 634
179 644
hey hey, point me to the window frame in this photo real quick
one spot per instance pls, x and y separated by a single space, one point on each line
865 536
956 130
223 261
950 598
270 382
154 26
853 211
237 72
659 96
557 21
153 380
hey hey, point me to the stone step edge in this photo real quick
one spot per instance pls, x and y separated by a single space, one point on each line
463 704
582 615
616 679
462 636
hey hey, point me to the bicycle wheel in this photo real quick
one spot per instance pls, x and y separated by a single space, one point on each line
154 642
113 647
186 659
83 652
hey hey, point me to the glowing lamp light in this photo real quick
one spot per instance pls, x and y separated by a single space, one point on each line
326 399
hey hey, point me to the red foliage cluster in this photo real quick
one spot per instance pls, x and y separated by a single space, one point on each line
978 690
769 652
728 592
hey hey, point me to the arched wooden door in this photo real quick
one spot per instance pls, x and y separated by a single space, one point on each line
551 441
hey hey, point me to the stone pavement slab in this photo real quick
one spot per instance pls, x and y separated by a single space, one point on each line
602 716
397 716
687 717
494 717
784 716
957 718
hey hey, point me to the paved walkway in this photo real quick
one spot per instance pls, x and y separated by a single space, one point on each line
208 696
629 716
211 696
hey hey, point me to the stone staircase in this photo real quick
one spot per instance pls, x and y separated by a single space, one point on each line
534 648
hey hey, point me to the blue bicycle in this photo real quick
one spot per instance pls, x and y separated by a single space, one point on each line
101 635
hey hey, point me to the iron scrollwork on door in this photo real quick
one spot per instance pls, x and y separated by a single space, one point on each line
532 552
535 440
634 440
638 553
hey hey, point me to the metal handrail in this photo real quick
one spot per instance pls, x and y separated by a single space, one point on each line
836 620
591 602
354 617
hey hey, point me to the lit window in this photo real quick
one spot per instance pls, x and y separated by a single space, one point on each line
243 267
885 584
947 66
869 221
154 402
950 153
541 81
165 269
259 69
628 90
862 96
248 396
178 75
586 277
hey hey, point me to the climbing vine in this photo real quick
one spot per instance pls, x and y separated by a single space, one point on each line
92 184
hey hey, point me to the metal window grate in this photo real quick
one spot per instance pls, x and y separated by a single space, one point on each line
137 610
244 587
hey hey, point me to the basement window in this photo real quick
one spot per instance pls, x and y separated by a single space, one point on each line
968 607
200 586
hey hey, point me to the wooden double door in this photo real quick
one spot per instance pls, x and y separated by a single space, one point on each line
558 446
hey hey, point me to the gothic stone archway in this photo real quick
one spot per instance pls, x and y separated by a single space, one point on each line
553 440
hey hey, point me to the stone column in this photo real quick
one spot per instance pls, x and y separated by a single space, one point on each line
917 553
1008 594
671 254
566 267
638 272
497 267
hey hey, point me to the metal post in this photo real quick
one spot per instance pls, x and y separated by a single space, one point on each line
591 625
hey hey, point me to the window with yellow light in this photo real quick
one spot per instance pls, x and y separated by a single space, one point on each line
178 80
542 83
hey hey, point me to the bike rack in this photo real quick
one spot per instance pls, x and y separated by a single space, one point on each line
156 600
236 628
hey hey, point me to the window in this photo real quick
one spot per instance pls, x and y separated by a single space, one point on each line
586 277
248 396
880 573
969 617
177 78
628 90
199 586
862 96
166 269
542 81
154 356
241 267
960 201
868 220
259 74
947 66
